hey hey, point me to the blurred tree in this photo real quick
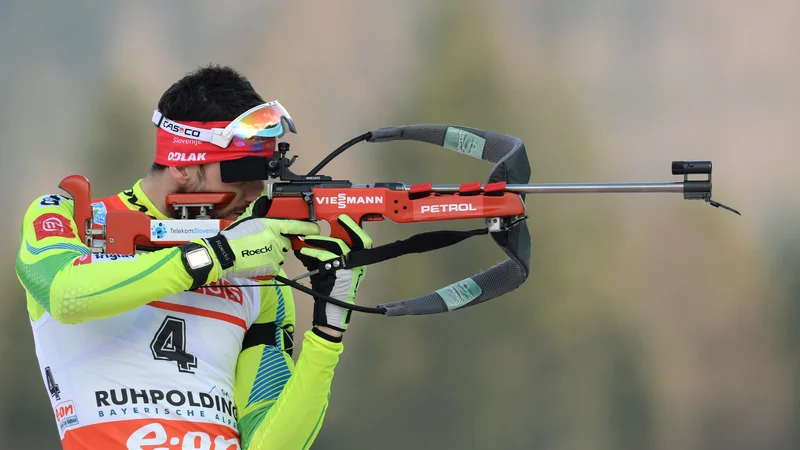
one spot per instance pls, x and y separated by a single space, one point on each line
26 418
784 248
120 139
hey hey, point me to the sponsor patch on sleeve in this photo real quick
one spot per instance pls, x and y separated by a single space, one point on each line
52 225
66 416
51 200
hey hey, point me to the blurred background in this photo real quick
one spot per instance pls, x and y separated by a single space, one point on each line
648 322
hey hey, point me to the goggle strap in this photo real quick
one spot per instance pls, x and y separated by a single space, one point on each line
179 129
157 118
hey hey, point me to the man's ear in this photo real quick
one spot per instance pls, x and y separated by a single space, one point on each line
180 174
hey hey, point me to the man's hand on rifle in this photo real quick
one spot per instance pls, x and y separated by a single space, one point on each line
255 247
340 284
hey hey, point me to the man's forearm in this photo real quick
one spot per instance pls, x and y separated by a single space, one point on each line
294 419
73 288
62 277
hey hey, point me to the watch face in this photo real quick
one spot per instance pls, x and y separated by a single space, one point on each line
198 258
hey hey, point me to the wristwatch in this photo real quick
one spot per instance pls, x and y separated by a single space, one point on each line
197 261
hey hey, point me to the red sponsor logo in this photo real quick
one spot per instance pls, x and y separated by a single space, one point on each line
51 225
223 290
156 434
64 410
65 415
153 434
102 257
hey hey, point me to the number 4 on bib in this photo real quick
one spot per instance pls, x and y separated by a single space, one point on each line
169 344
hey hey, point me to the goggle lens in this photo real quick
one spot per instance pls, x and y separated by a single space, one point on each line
266 121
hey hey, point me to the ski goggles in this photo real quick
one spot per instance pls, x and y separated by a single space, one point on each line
265 121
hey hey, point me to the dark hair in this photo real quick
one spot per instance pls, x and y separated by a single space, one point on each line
211 93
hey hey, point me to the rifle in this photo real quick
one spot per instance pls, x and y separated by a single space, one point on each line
500 202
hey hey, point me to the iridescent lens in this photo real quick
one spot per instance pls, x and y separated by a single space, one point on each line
264 122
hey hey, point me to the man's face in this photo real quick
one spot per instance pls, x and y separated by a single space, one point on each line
211 181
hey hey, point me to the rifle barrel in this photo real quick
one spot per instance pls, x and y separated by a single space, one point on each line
576 188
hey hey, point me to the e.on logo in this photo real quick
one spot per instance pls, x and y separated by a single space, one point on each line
64 410
65 415
154 434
